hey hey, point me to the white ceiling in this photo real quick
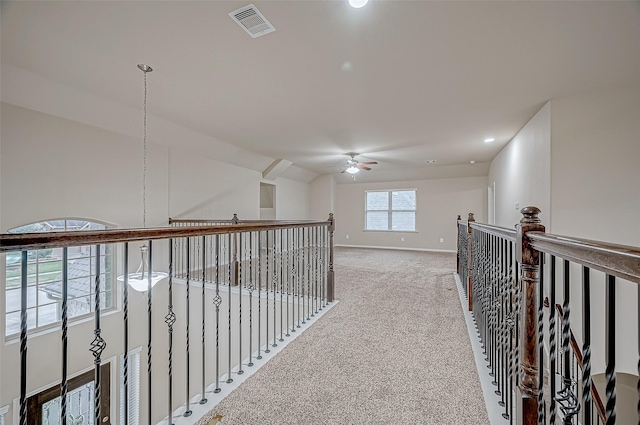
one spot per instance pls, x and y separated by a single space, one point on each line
399 82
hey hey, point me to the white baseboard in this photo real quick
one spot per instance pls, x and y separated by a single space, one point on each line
396 248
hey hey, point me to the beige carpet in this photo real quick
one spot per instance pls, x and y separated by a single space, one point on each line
394 350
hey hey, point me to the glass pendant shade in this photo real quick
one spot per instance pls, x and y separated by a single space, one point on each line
352 170
139 281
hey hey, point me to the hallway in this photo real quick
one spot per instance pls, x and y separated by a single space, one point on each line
395 349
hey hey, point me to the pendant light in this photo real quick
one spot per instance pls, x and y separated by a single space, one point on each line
139 280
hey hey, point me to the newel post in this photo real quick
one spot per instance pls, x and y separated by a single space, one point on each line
470 220
529 259
458 244
330 274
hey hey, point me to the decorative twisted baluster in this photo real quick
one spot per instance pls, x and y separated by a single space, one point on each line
552 340
231 280
125 314
541 404
266 282
566 397
250 288
240 279
586 347
170 320
288 268
98 344
188 411
203 399
274 283
282 253
63 384
259 234
610 351
217 301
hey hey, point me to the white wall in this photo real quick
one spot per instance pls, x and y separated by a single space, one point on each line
292 199
439 202
521 171
52 167
595 147
203 188
595 151
323 195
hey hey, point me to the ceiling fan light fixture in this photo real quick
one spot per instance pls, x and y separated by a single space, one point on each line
352 170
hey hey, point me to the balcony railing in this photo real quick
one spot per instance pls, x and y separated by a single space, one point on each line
530 312
234 291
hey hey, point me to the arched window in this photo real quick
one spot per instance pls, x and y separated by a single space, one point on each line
44 278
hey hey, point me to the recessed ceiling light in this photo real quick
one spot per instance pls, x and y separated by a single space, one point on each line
358 3
431 161
489 140
472 162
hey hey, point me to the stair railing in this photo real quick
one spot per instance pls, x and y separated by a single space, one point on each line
511 273
247 285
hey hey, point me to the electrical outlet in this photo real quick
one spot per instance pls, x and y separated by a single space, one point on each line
441 240
347 237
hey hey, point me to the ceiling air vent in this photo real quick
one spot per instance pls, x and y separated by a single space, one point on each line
252 21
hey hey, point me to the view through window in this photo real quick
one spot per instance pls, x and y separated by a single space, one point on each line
44 278
390 210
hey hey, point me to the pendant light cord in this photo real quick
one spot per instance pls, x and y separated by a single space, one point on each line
144 149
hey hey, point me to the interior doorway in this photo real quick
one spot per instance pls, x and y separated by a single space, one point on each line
267 201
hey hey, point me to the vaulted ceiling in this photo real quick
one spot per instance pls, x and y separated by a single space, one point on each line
399 82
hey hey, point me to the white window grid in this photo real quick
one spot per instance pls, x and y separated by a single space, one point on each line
44 279
389 210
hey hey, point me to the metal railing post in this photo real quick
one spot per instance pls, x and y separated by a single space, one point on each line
529 259
458 243
330 273
469 282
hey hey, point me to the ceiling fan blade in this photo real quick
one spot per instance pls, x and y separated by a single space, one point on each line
342 171
369 162
362 167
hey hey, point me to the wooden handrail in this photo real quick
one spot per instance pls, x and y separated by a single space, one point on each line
617 260
502 232
578 353
32 241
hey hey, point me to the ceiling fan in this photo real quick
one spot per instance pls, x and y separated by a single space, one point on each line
354 166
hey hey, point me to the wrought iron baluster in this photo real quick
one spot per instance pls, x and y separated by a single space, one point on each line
98 344
63 384
217 301
299 275
240 280
282 285
170 320
566 397
586 347
552 341
259 237
541 404
250 288
231 280
288 269
266 282
610 348
150 321
274 283
203 399
125 314
188 412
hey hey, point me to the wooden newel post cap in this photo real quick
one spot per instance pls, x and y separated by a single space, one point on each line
471 218
530 215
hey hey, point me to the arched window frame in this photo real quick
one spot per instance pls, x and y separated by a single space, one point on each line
44 283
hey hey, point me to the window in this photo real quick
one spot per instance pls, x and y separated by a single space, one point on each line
133 365
44 278
390 210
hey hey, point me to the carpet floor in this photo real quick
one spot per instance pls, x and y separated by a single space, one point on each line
394 350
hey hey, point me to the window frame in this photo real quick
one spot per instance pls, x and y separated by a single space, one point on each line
110 291
390 210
